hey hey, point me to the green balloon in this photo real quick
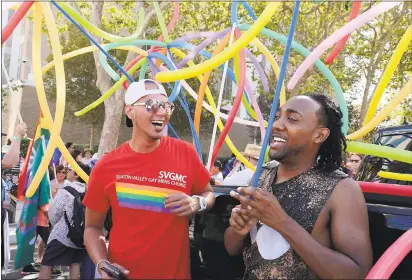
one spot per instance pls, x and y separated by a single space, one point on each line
319 64
379 151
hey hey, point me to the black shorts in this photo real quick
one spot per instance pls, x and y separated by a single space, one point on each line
58 254
44 233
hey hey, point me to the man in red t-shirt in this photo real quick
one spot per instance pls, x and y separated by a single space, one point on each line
153 184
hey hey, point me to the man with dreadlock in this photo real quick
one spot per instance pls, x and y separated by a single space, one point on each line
306 218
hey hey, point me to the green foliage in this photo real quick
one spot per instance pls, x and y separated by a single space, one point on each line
80 73
358 68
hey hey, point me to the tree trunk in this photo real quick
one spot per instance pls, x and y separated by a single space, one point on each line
112 120
91 138
365 103
114 104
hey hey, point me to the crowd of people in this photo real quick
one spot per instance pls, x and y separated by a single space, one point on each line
306 218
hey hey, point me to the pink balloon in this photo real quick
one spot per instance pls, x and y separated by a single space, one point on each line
336 36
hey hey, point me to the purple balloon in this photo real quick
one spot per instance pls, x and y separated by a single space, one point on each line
259 69
213 36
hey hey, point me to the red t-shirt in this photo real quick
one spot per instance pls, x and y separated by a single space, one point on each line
146 239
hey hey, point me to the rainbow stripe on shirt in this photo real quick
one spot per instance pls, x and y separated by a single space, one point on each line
143 197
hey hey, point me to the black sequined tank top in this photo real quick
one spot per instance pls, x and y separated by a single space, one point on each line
302 197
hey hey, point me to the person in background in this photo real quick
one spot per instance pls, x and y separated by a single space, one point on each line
87 156
354 161
69 146
243 178
77 155
58 182
216 172
229 165
42 230
60 250
9 160
94 160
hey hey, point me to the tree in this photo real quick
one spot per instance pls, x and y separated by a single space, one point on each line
373 46
80 81
360 64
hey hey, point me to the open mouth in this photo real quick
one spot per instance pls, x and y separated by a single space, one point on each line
158 124
277 139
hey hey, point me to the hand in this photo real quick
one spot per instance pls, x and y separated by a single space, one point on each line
264 206
104 274
182 204
21 130
241 223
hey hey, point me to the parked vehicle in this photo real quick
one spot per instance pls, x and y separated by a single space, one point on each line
397 137
390 215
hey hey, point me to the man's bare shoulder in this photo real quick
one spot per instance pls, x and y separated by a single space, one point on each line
347 193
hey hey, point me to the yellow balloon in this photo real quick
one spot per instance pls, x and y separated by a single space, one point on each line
387 74
274 65
209 96
112 90
60 85
219 59
405 91
395 176
72 54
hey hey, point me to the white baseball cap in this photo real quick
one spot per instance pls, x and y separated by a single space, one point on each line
137 90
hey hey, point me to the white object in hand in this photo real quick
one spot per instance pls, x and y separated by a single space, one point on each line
271 243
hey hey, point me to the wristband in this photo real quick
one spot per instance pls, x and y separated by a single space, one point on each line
202 202
16 138
99 262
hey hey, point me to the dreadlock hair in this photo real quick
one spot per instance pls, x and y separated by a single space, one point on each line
329 156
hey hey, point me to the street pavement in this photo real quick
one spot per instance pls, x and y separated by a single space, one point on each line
16 274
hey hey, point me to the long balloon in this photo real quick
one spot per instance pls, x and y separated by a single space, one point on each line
203 84
97 31
275 103
219 103
259 69
319 64
236 102
257 115
75 53
162 23
226 54
82 30
379 151
387 74
109 93
201 46
405 91
209 96
356 6
170 27
392 257
273 63
60 86
182 101
173 21
395 176
337 35
103 58
14 21
384 188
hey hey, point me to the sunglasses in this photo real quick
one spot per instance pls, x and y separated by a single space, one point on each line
152 106
61 172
